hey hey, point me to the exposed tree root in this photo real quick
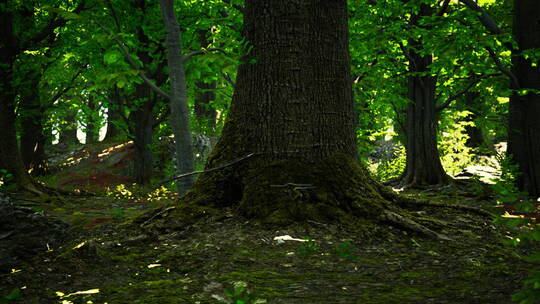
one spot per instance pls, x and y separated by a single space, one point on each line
41 190
407 202
407 223
332 190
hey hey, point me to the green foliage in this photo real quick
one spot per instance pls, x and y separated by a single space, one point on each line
507 192
307 247
139 193
345 250
505 187
455 155
531 291
386 168
118 213
238 293
14 294
5 177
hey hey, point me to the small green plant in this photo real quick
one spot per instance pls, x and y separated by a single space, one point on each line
5 177
139 193
118 213
387 169
507 192
237 293
14 294
345 250
455 155
505 187
531 291
307 247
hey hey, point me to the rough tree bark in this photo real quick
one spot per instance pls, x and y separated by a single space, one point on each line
143 118
290 130
524 111
9 147
31 121
423 164
178 98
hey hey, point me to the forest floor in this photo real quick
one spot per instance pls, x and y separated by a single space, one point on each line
101 257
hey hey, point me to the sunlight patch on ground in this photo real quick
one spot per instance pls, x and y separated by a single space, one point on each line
110 150
63 296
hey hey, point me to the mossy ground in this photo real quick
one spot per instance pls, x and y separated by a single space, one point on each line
340 264
207 247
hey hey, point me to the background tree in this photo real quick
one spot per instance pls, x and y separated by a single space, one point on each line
24 28
178 97
524 112
448 46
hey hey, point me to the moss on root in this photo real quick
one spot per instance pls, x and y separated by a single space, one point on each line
280 192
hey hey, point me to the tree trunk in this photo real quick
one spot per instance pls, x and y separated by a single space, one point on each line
423 164
113 114
143 119
292 111
9 148
204 112
524 111
32 136
92 128
476 137
178 100
287 152
31 116
68 130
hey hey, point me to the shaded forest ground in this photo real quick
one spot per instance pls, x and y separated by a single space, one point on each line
101 257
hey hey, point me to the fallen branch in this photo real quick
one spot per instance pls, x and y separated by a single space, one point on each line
209 170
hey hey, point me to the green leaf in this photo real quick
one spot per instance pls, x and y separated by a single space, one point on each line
112 56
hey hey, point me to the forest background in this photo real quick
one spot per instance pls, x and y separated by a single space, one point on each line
438 86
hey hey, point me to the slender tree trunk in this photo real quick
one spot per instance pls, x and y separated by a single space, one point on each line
31 116
524 111
113 114
9 147
143 119
92 128
423 164
68 130
178 101
32 137
204 112
475 134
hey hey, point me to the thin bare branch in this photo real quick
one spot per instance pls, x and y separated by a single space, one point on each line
514 82
201 52
475 80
